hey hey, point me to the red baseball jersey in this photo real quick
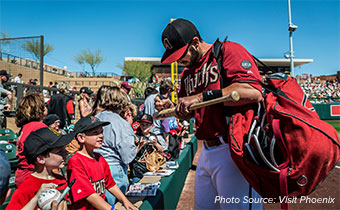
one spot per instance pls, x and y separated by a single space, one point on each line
92 176
239 66
30 187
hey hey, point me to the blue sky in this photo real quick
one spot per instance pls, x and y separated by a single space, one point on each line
133 28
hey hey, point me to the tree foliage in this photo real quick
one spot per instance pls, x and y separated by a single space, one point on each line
93 59
4 35
137 69
33 47
80 59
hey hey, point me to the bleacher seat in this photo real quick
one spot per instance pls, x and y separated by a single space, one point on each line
8 143
7 135
10 150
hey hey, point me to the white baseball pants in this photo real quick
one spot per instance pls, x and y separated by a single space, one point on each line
220 185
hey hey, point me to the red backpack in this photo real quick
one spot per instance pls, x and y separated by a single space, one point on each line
282 148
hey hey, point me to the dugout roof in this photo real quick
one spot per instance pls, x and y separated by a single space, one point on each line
277 62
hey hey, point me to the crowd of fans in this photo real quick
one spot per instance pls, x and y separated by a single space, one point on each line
322 91
95 154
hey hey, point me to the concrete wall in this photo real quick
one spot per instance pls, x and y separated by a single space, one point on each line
29 73
32 73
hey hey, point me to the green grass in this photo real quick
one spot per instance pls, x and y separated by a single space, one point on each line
335 124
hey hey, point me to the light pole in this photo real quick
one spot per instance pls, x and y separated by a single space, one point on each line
291 29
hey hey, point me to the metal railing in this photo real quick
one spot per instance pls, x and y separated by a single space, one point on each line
21 88
29 63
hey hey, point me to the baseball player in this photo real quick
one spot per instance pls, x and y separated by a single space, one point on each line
218 183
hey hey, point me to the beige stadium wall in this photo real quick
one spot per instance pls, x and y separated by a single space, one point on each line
93 83
31 73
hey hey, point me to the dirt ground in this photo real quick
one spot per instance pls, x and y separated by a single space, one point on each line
330 189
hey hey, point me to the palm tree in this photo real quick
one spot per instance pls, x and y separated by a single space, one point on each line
33 47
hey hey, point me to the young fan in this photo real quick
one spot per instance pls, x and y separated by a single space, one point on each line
147 143
91 170
46 151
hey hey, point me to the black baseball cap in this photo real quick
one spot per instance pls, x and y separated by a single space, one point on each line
86 90
88 123
176 38
146 118
50 119
43 139
5 73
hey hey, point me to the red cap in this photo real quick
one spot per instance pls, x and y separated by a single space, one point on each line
126 85
176 38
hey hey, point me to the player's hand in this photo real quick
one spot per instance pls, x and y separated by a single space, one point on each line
182 108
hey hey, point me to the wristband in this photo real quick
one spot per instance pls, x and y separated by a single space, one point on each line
212 94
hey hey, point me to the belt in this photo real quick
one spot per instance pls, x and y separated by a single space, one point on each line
217 141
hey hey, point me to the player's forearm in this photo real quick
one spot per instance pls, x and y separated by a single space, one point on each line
98 202
248 94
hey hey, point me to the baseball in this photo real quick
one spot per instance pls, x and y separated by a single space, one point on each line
45 199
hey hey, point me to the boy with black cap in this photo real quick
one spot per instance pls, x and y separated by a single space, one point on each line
91 169
145 134
147 143
46 151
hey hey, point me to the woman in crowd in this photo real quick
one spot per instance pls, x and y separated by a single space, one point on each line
129 113
119 139
31 112
85 101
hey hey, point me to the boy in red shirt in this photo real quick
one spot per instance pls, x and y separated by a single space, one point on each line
46 151
91 169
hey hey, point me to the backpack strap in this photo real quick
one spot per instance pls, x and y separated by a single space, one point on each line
217 53
263 64
283 172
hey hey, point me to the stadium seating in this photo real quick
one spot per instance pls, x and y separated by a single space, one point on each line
8 135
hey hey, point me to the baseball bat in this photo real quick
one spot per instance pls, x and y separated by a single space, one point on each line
233 96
